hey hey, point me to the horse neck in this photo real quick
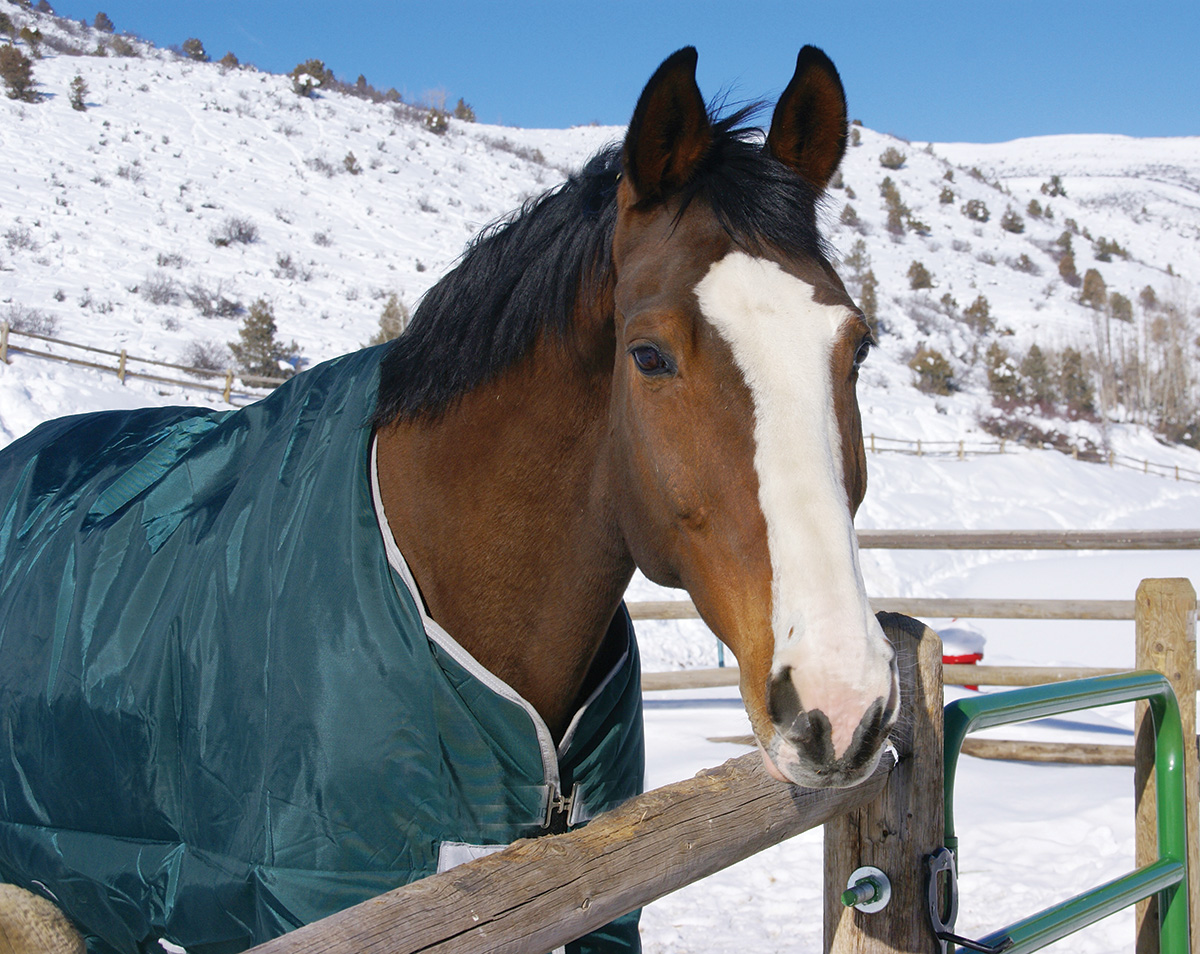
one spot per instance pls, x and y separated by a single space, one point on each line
503 511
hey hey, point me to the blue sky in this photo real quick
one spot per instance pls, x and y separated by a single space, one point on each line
943 71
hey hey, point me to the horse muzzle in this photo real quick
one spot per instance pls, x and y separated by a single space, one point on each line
836 745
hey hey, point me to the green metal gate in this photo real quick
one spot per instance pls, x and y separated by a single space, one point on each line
1167 876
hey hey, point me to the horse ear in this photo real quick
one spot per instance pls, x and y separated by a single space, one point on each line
670 133
808 129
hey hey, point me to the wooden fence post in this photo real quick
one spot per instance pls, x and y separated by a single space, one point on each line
121 367
4 346
1165 626
228 385
898 830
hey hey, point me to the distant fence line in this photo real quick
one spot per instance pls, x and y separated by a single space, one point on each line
123 370
875 443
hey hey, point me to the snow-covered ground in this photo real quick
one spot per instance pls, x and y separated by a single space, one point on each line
99 208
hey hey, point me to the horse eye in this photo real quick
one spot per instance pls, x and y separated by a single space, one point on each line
650 361
860 355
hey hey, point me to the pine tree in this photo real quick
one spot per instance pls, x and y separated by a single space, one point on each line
103 23
1004 383
918 276
194 50
1036 378
1066 269
16 70
868 299
1094 292
79 91
392 321
1075 385
258 351
933 371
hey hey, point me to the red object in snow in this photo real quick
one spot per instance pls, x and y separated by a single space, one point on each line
963 659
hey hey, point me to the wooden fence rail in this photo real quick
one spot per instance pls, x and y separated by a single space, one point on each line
539 894
122 370
960 449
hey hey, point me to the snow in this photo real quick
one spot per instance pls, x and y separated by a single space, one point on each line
127 193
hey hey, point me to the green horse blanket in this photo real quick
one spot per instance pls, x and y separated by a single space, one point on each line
223 712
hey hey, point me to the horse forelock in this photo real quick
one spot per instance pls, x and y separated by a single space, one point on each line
526 275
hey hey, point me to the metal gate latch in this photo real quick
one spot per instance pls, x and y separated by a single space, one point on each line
942 870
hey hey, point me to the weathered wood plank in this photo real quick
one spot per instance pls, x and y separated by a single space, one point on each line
1165 635
963 608
897 831
540 893
953 675
1030 539
1064 753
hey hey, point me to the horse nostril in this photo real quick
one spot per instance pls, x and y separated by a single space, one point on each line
783 702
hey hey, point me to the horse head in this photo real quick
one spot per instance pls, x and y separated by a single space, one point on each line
736 430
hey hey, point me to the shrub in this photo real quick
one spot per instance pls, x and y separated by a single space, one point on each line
207 355
169 260
464 111
855 137
849 216
437 121
978 316
1066 270
1010 221
857 261
18 238
257 350
1104 249
234 230
122 47
33 39
892 158
31 320
946 196
159 289
351 164
212 303
193 49
918 276
933 372
7 27
1034 209
229 61
1148 298
1054 187
79 91
309 76
1094 292
392 321
1120 307
1025 264
103 23
16 70
976 210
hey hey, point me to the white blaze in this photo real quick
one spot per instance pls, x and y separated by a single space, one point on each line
782 340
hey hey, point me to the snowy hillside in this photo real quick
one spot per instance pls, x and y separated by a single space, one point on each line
122 226
186 191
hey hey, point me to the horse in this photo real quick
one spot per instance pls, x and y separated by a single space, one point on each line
207 619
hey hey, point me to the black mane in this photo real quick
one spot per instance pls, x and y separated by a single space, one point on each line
524 274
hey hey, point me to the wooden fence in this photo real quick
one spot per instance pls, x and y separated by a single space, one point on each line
538 894
129 366
875 443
